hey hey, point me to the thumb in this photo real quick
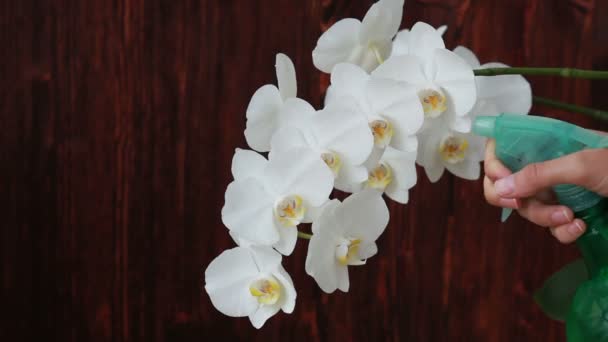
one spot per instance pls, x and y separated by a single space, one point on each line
574 169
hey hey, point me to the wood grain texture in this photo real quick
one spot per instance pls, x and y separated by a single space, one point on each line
118 124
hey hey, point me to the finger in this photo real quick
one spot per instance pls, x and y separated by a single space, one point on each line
568 233
545 215
494 199
571 169
493 168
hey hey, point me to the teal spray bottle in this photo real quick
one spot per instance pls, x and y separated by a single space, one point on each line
522 140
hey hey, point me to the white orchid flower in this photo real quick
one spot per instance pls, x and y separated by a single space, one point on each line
444 82
503 94
443 148
338 134
250 282
267 200
366 43
401 43
272 107
392 108
344 235
393 173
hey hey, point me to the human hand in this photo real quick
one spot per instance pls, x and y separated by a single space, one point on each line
529 190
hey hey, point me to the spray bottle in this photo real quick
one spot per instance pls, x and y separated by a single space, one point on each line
522 140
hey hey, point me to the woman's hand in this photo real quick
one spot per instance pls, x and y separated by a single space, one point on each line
529 190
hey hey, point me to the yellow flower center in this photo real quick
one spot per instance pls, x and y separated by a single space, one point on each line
453 149
333 161
266 290
382 131
380 177
433 102
346 252
290 210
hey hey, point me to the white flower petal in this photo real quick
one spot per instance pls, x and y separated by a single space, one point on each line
312 213
468 56
403 165
227 279
348 80
428 151
262 115
247 164
351 178
397 194
248 211
367 251
424 40
441 29
321 263
287 138
286 76
510 93
381 21
465 169
289 292
401 43
287 242
401 106
434 171
406 68
364 215
301 172
262 314
266 258
456 78
295 113
342 278
342 128
336 44
457 123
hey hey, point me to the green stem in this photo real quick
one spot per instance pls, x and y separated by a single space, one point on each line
303 235
563 72
595 113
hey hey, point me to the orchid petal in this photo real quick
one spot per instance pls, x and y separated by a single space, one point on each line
465 169
510 93
406 68
468 56
302 172
381 21
262 115
286 76
247 164
424 40
248 211
456 77
287 242
336 44
364 215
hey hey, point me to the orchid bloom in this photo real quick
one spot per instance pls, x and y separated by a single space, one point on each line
443 148
444 82
268 199
250 282
392 108
344 235
365 44
266 112
394 173
338 134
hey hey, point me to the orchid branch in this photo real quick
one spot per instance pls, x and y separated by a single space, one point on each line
594 113
562 72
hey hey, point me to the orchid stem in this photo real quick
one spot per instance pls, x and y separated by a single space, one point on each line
563 72
594 113
303 235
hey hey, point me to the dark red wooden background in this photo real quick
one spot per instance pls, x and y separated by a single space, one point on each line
118 120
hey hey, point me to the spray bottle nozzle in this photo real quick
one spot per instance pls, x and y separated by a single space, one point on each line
484 126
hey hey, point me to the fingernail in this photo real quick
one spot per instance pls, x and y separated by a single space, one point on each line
560 217
509 203
505 186
575 228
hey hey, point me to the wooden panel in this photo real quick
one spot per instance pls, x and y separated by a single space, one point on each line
119 120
